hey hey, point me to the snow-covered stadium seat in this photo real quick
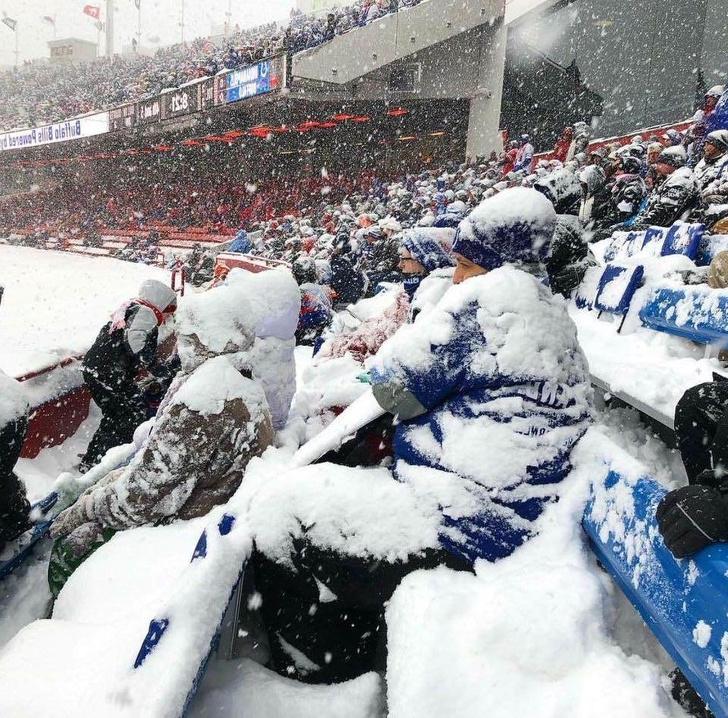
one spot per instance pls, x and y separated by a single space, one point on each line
683 238
616 288
699 314
682 601
710 245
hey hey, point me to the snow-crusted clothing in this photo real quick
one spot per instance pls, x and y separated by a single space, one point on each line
524 157
195 457
14 410
668 202
492 391
568 259
123 347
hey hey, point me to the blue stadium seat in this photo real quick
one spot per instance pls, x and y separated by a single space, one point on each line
624 245
710 245
616 288
683 238
694 313
683 602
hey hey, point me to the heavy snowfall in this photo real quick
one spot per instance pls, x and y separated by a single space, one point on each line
332 384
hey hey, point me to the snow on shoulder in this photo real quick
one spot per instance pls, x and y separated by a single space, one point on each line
219 319
216 382
13 402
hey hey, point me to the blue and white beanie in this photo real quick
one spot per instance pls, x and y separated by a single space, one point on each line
424 244
513 227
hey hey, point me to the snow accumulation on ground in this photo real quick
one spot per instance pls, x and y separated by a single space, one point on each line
543 633
55 303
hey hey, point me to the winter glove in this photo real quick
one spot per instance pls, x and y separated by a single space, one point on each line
692 518
69 520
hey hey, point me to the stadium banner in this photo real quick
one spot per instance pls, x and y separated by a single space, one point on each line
259 79
182 101
149 111
207 94
122 118
79 128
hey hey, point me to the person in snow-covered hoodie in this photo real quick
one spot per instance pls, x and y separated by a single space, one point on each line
14 506
675 193
124 347
212 421
491 392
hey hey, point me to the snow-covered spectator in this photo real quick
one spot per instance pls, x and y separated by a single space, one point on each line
14 413
124 347
673 196
474 471
524 156
212 421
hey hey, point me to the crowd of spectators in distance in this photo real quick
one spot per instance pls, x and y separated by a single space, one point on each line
38 93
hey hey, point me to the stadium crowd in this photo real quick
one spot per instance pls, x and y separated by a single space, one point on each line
40 93
347 238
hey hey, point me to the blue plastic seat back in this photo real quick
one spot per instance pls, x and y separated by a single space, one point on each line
683 238
653 242
624 245
697 314
617 286
683 602
710 245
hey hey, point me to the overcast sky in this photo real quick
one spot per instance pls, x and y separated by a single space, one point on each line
160 19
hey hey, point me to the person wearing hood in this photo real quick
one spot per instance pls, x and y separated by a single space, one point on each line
347 281
580 143
711 173
14 413
212 421
594 193
674 194
494 368
125 346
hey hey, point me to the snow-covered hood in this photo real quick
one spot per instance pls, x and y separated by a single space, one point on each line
155 292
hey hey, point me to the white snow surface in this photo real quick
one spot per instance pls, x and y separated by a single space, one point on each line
526 636
55 303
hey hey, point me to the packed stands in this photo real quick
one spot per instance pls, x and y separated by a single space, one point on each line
37 94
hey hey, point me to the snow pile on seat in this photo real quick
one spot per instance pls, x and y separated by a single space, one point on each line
358 512
55 303
82 660
526 636
257 692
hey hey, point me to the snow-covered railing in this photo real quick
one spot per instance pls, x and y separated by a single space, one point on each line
682 601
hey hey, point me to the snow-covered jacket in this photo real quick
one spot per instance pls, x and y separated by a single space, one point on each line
128 342
707 171
669 201
492 392
212 423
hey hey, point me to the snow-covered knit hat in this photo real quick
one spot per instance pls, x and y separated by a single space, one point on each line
719 138
673 156
515 226
562 187
424 244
